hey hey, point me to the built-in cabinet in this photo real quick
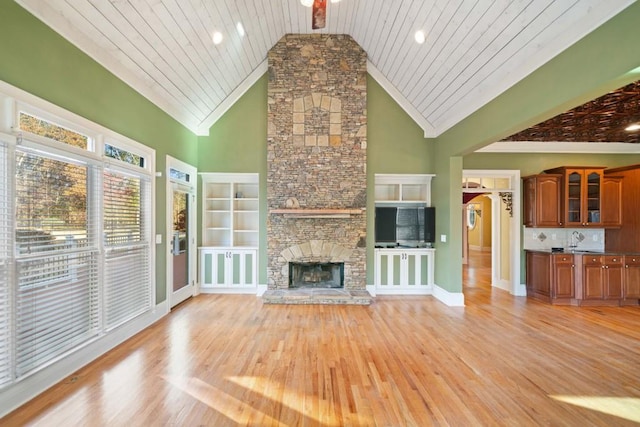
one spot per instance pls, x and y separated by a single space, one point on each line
400 270
550 277
581 196
583 278
401 189
572 197
602 277
631 280
542 200
230 230
230 267
404 270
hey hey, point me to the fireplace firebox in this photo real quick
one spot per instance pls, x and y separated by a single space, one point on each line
316 275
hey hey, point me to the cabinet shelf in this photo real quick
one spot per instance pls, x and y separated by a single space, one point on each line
230 210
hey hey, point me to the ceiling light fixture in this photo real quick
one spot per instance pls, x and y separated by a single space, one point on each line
420 36
217 37
307 3
240 29
632 127
335 1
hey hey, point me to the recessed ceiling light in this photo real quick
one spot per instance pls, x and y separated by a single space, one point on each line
307 3
632 127
240 29
420 37
217 37
335 1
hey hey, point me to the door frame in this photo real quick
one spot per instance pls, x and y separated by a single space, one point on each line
191 188
514 287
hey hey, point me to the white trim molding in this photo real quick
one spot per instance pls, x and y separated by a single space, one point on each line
429 130
452 299
560 147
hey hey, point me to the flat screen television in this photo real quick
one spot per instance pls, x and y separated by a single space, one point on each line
400 226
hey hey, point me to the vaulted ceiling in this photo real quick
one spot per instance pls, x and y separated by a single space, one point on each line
474 49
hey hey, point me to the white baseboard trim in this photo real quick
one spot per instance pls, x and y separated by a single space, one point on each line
502 284
371 289
261 290
18 394
422 290
248 290
452 299
521 290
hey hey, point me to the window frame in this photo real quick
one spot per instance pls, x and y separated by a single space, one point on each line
13 101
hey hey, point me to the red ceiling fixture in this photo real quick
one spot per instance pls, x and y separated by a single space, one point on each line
319 14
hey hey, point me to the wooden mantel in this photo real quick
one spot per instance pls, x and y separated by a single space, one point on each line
316 213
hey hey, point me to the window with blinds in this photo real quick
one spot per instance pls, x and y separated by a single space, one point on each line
126 235
6 239
75 240
56 292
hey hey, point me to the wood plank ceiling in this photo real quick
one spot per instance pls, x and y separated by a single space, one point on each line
474 49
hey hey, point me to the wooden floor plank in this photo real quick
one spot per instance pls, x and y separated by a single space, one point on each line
227 360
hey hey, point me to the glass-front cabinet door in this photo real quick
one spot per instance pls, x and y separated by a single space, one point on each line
593 197
574 198
582 198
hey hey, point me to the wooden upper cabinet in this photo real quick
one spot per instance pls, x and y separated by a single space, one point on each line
542 200
611 201
581 195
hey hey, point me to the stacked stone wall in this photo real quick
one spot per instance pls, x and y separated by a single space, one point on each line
316 150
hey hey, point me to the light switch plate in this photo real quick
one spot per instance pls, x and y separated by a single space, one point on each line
443 238
158 239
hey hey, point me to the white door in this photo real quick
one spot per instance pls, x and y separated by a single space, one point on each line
181 227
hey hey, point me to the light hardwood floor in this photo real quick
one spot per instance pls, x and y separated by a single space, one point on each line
226 360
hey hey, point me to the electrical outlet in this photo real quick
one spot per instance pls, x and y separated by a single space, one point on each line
595 237
553 236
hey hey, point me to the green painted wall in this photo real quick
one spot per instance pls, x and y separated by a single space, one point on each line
39 61
598 63
395 144
237 142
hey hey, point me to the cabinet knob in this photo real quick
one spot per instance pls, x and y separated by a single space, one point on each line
615 260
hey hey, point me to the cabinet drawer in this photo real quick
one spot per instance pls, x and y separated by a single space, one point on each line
563 259
613 260
591 259
632 260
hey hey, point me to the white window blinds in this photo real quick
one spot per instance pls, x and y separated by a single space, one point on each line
56 291
6 239
127 212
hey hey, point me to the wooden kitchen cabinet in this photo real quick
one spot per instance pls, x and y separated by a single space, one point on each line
538 275
602 278
611 201
551 277
563 283
631 282
581 195
542 200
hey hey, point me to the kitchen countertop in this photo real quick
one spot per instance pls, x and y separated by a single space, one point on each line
583 252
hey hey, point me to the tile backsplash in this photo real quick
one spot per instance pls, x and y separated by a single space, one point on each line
591 239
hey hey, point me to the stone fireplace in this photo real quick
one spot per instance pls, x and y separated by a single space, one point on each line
316 159
316 275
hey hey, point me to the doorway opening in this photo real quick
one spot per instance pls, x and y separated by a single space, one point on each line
491 230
